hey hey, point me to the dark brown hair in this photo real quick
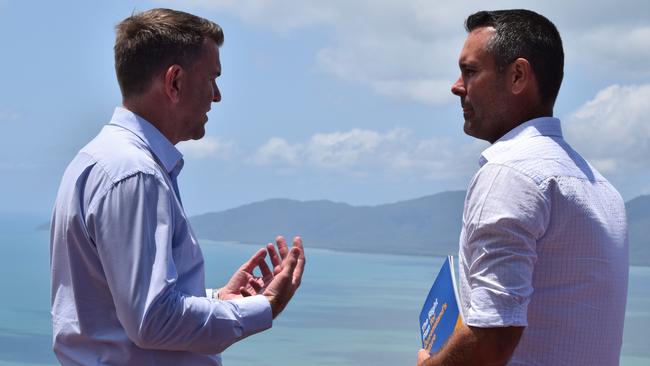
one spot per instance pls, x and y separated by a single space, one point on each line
147 43
526 34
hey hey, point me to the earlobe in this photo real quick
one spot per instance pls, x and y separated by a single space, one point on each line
173 80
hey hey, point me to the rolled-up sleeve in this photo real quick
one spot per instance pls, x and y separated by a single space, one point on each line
132 226
506 213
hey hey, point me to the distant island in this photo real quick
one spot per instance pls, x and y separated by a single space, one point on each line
423 226
428 225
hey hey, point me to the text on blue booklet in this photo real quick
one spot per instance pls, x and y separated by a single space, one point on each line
440 315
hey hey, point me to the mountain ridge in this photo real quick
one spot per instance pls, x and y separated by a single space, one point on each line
340 226
428 225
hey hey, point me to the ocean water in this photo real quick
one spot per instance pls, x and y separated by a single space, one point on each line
352 309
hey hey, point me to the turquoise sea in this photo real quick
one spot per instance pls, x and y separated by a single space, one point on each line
352 309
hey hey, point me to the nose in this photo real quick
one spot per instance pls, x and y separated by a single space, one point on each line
216 94
458 88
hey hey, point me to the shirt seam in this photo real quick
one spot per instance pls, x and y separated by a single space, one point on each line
116 181
541 186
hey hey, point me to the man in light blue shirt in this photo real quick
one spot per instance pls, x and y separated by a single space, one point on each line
128 284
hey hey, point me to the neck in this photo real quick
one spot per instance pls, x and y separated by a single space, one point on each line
523 116
151 111
526 112
542 111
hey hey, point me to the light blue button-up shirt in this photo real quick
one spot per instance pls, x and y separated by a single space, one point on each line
128 284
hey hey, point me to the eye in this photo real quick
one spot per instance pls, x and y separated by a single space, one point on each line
468 72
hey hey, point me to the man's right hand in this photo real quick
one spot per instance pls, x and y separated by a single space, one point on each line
287 280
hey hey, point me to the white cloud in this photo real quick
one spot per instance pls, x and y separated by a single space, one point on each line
437 159
209 147
613 130
408 49
625 49
277 151
348 149
397 49
427 91
279 15
364 152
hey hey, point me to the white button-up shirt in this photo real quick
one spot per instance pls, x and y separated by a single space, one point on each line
544 245
127 271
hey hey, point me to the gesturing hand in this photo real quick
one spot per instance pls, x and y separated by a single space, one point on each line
244 282
287 276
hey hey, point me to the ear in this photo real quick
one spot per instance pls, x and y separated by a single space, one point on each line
521 76
173 79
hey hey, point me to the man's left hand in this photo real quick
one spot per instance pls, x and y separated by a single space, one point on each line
244 282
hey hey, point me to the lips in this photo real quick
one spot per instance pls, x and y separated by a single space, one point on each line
464 105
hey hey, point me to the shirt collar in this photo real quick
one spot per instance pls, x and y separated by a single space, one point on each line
160 146
542 126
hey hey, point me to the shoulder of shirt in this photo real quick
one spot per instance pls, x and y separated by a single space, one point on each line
120 154
544 158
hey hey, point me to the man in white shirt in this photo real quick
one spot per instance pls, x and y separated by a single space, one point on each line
128 280
543 249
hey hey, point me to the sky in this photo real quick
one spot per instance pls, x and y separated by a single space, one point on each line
345 100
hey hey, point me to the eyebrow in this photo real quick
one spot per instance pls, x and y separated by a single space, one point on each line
466 64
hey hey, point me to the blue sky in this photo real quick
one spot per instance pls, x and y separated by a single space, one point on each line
340 100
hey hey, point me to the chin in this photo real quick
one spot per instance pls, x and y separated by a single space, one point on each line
467 128
475 133
199 134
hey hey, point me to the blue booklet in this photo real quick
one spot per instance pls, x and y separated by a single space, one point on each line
441 314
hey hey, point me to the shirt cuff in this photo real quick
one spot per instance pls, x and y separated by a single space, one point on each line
256 314
488 320
494 309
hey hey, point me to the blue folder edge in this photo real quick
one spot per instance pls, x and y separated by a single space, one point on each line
440 314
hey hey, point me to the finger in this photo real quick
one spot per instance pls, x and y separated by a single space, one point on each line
281 289
290 262
273 254
255 285
300 263
245 292
253 262
297 242
422 356
264 268
282 246
288 267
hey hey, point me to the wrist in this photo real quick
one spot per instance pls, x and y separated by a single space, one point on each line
272 303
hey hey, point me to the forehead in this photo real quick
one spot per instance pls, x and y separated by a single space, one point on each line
475 47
